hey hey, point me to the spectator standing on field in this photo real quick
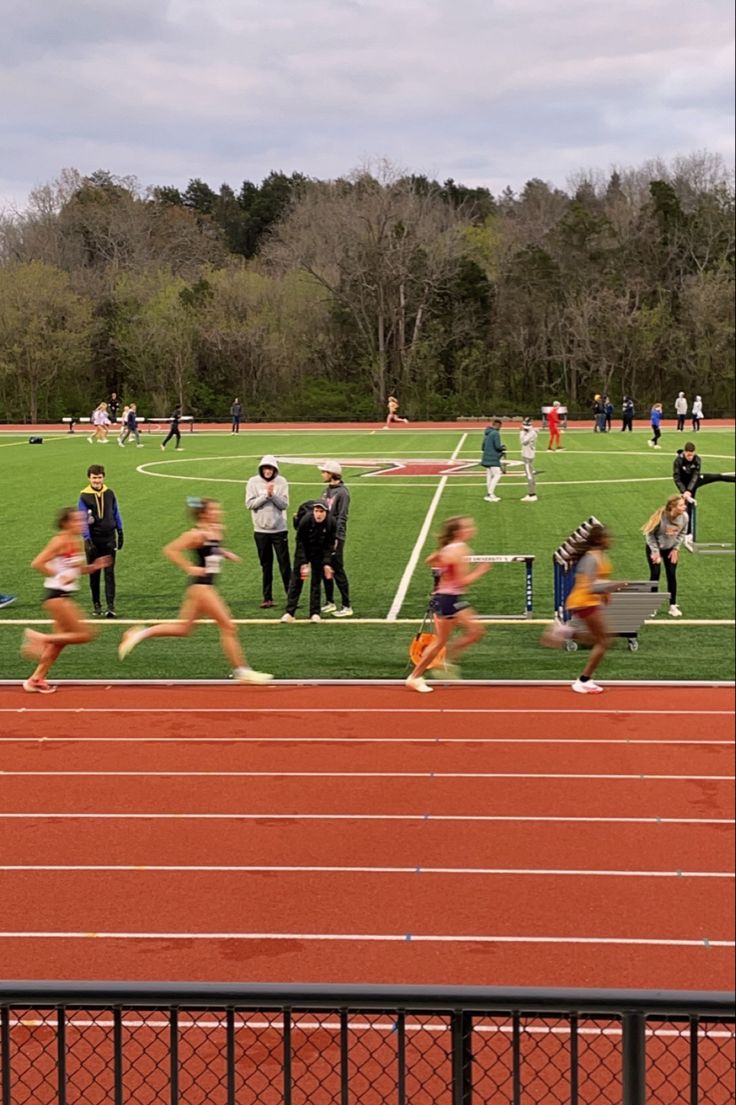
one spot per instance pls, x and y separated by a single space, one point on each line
627 414
686 472
528 442
681 411
665 532
174 430
607 413
113 407
336 498
492 458
315 542
236 413
553 421
599 416
655 419
267 498
697 413
102 533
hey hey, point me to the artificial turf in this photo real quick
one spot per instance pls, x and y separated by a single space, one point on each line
613 476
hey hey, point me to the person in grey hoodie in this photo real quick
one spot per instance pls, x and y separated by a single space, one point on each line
267 498
665 532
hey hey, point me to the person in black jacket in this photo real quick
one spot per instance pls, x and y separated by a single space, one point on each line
315 542
174 430
336 498
627 414
689 479
102 533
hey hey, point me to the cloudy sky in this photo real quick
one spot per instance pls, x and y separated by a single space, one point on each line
489 92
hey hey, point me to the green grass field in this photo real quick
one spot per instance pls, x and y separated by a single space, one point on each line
616 477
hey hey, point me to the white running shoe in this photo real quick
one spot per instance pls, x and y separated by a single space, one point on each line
418 685
315 618
556 634
329 608
247 675
650 444
674 611
529 499
688 543
121 444
39 686
589 687
491 499
286 618
343 612
139 446
131 638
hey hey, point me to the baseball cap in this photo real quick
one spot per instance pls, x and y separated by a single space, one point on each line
332 466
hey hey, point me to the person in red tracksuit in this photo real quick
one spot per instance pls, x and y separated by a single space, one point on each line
553 421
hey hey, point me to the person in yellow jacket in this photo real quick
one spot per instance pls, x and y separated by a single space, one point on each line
586 604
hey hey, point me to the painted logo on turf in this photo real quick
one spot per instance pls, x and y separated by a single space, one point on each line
386 467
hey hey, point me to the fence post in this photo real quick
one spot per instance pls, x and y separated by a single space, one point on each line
462 1057
634 1059
5 1053
117 1053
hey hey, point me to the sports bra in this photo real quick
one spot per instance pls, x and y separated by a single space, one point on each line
67 564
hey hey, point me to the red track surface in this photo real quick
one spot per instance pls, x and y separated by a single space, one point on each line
367 790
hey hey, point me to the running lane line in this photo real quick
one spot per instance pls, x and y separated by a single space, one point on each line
639 777
327 741
442 710
372 937
401 591
114 816
418 870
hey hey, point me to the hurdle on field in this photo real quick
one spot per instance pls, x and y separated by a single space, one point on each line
518 558
709 548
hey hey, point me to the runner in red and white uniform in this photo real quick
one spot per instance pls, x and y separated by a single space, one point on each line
451 611
62 562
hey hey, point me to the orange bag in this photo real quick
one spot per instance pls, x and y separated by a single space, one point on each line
420 644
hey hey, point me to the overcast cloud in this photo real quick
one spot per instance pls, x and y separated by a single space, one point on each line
489 92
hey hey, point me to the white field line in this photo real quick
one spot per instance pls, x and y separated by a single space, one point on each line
370 937
398 599
275 622
329 742
333 870
355 775
470 818
440 710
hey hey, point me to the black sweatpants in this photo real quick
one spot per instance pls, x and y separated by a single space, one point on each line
656 434
173 432
707 477
340 578
670 571
268 544
315 587
93 551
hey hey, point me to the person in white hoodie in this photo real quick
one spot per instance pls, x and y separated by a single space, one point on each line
267 498
681 410
528 442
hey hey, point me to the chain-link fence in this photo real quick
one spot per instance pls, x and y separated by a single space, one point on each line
204 1045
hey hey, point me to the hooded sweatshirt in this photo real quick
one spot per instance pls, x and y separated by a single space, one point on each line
268 511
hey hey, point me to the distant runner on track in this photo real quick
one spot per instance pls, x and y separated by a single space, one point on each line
202 565
393 412
62 562
451 611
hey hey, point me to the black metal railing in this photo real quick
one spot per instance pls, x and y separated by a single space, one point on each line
181 1044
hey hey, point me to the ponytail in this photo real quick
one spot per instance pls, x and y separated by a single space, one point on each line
656 518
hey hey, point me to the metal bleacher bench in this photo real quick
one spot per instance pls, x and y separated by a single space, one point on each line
150 424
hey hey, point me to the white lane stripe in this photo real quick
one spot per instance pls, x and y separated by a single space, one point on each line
356 870
527 711
641 777
369 937
494 620
331 742
65 815
402 589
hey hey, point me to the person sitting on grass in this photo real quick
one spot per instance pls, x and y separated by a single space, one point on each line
453 577
585 603
199 553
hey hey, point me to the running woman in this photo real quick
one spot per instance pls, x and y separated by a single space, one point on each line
393 412
451 611
585 603
62 562
101 423
199 552
174 430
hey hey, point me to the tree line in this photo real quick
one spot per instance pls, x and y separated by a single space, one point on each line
317 299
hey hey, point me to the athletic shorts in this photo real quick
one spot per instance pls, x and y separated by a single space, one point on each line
447 606
52 593
584 611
